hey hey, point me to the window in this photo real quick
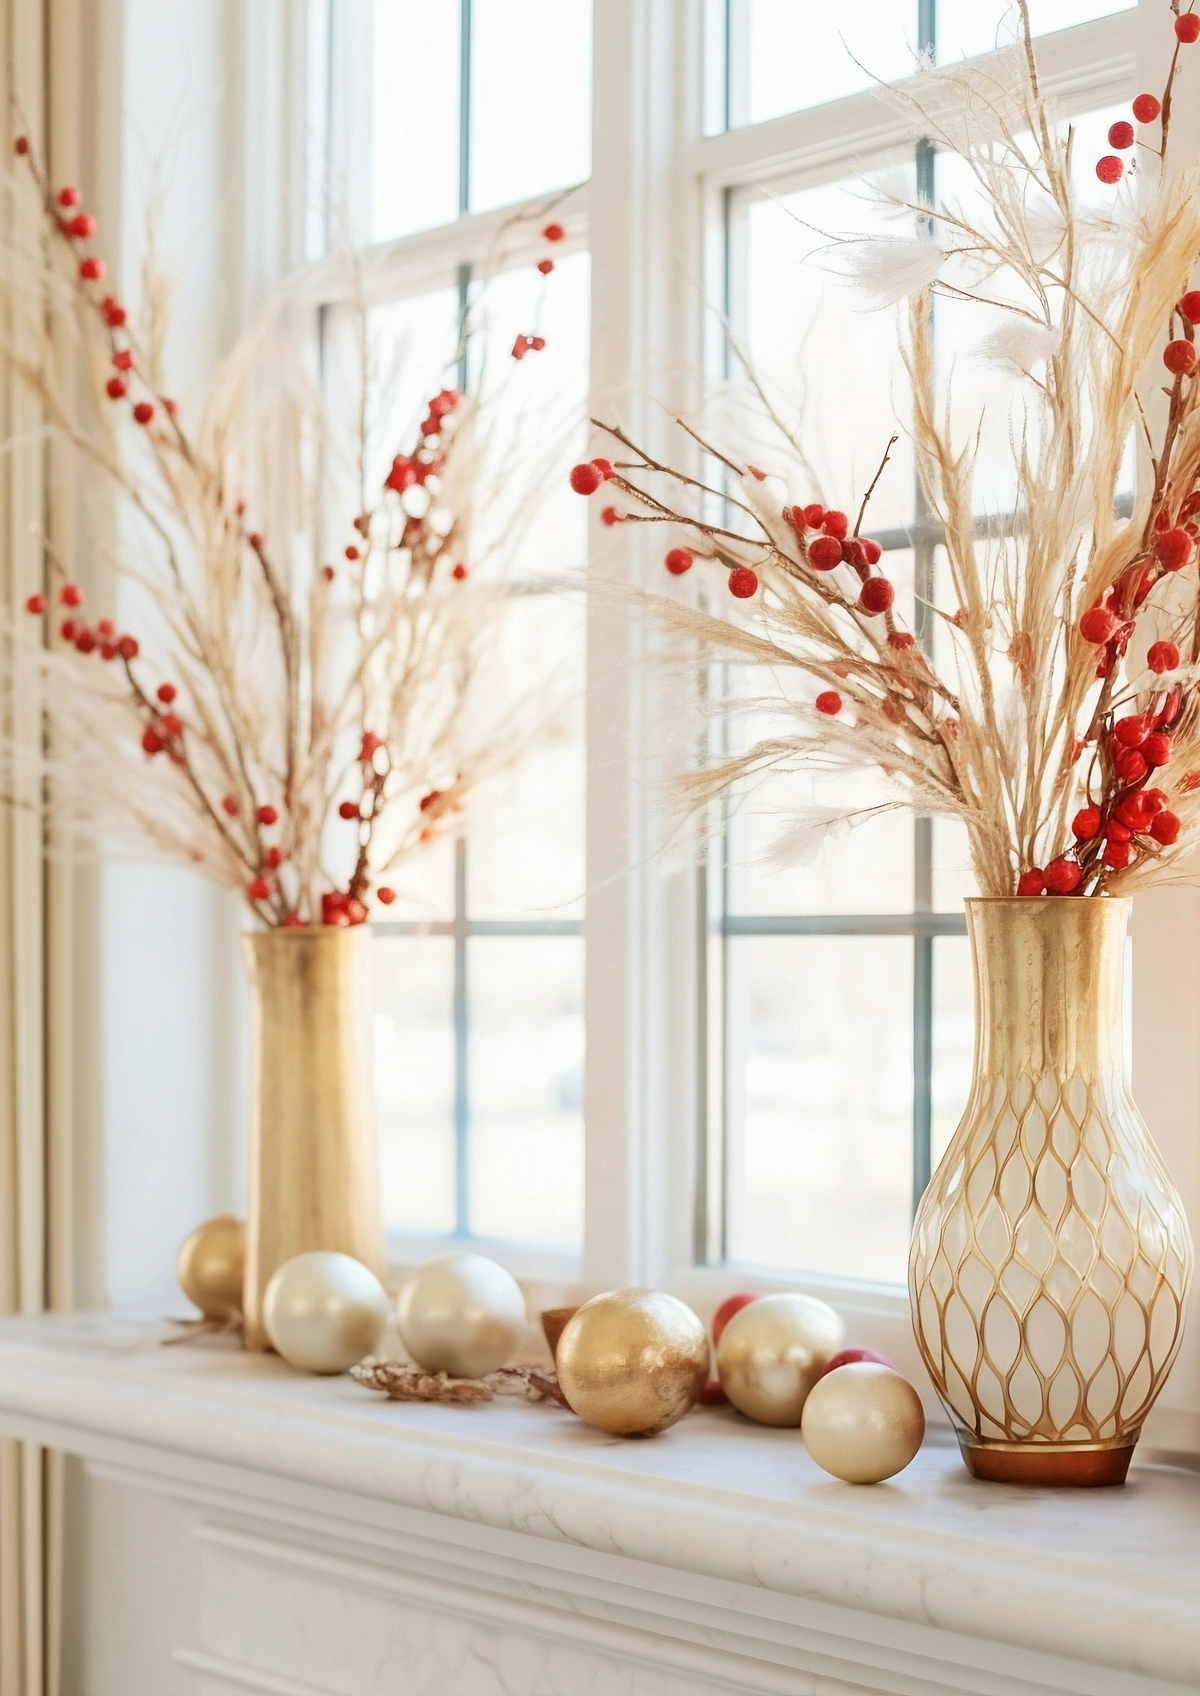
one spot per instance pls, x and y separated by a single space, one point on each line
774 1058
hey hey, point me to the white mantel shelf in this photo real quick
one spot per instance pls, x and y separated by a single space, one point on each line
352 1547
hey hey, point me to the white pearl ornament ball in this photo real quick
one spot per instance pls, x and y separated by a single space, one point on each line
863 1423
772 1352
323 1312
462 1314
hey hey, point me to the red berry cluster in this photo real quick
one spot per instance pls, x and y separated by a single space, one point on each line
1121 135
102 640
1110 623
834 546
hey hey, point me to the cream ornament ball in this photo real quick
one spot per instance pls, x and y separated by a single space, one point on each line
632 1362
324 1311
863 1422
462 1314
772 1353
211 1267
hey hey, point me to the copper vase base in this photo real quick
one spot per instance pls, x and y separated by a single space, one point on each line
1066 1465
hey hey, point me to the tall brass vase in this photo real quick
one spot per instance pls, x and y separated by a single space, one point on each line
1051 1256
314 1157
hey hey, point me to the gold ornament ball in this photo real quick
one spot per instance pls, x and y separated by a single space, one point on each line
211 1266
462 1314
863 1423
323 1311
632 1362
772 1353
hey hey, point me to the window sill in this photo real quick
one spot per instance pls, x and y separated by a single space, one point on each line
717 1554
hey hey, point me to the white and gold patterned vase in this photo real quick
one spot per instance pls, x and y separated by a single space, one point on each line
1051 1255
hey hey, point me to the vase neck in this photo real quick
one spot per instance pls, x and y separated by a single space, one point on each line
1048 986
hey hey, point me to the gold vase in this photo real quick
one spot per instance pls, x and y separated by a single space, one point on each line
314 1157
1051 1255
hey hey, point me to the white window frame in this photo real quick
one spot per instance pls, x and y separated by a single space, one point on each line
652 216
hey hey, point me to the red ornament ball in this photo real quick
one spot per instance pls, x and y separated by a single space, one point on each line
1174 548
829 702
851 1357
385 894
1031 882
1086 824
824 553
1110 169
1063 876
1165 828
877 595
348 810
1162 656
1189 306
143 412
1179 358
743 583
585 479
680 560
114 313
1097 625
1146 108
727 1309
1187 28
1120 135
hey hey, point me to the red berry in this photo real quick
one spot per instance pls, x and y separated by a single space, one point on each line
105 627
1097 625
604 467
1165 828
554 232
275 858
68 630
229 804
293 921
255 541
585 479
127 647
1174 548
92 269
348 810
1120 135
1086 823
1157 748
610 516
123 359
537 343
1130 765
1189 306
116 388
21 145
679 560
1031 883
871 549
166 693
69 197
85 641
545 266
82 227
824 553
114 313
371 744
460 573
743 582
1146 108
1180 357
36 604
267 815
1153 800
1062 876
1187 28
351 551
1110 169
836 524
1163 656
71 595
814 516
759 476
1132 811
829 702
1118 855
327 574
172 726
170 407
520 347
1114 832
152 742
1130 732
143 412
428 801
258 889
877 595
727 1309
384 894
901 641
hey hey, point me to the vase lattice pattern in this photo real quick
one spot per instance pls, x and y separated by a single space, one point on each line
1049 1268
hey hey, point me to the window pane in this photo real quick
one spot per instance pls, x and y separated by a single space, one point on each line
414 1079
415 75
953 1037
785 56
967 27
820 1103
531 105
526 1058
